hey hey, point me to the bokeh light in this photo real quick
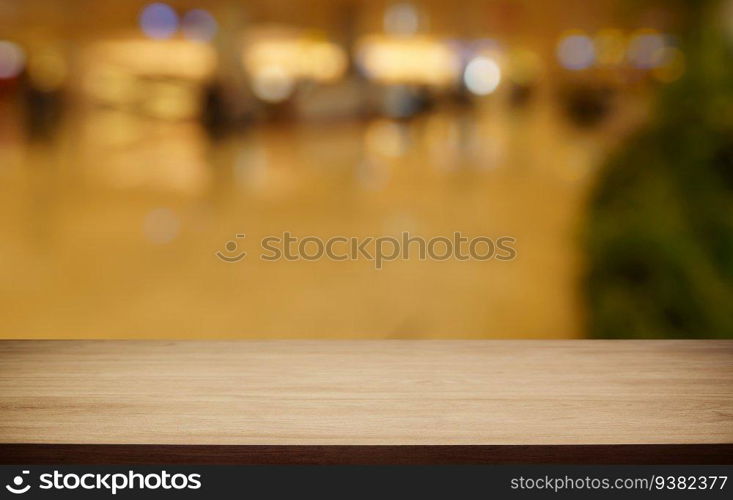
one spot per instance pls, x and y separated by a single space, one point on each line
610 46
161 226
159 21
482 75
272 84
199 25
385 138
47 69
12 59
525 66
297 55
419 60
401 19
670 64
576 51
322 61
645 49
160 78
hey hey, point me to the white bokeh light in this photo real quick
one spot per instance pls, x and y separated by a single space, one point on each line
482 75
273 84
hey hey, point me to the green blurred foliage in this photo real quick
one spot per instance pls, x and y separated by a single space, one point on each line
659 238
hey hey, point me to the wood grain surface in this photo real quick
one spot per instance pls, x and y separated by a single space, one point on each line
426 393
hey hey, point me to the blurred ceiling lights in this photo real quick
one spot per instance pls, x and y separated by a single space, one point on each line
160 21
276 59
162 78
165 71
419 60
170 58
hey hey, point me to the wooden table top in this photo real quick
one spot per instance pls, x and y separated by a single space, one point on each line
366 392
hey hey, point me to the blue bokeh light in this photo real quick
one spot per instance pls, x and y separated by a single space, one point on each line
199 25
159 21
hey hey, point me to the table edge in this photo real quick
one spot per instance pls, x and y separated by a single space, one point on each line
153 454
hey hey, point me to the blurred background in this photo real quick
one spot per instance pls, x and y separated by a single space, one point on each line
138 138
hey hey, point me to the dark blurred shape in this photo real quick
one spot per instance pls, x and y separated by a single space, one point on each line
723 165
403 101
215 118
43 112
587 105
520 95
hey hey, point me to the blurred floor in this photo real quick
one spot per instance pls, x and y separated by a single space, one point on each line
110 227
